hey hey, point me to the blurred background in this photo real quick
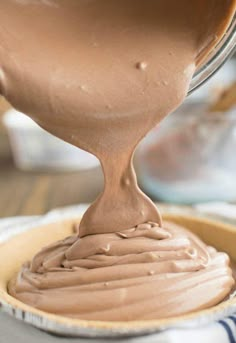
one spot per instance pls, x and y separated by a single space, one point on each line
188 159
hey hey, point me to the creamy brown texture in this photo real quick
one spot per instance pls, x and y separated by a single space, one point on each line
100 74
146 272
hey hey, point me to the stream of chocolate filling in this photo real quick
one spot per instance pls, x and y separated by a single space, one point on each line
100 74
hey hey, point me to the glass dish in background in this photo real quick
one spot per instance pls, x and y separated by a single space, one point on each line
190 158
35 149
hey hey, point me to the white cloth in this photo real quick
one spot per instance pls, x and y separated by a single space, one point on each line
11 330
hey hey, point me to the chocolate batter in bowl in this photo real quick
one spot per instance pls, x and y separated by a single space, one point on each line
100 74
217 57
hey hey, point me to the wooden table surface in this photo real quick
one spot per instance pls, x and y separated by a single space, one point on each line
31 193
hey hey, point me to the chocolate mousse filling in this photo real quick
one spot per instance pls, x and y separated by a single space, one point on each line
100 74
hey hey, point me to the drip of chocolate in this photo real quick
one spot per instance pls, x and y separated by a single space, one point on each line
100 75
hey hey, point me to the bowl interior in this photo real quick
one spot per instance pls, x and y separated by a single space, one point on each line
20 248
